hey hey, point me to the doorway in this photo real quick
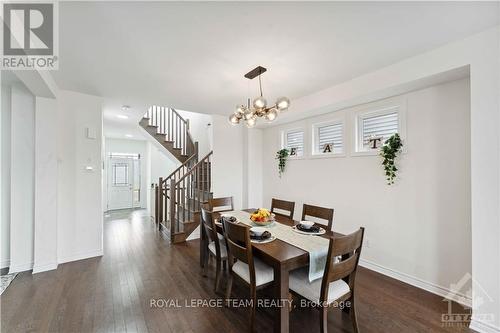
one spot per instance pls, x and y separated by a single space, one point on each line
124 181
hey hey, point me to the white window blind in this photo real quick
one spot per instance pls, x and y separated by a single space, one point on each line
382 126
295 139
331 133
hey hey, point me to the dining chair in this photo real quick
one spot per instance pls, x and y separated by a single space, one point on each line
251 271
221 204
282 205
338 282
216 245
320 213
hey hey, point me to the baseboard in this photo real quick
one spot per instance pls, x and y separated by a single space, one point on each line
44 267
483 327
416 282
81 256
5 264
20 268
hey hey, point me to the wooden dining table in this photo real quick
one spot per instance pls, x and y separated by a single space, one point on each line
280 255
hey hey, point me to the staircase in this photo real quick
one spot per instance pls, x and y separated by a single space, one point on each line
180 195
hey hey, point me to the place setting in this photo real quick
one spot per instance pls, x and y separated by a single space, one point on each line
227 217
308 228
260 235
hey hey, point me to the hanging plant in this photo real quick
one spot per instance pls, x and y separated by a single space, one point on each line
389 151
281 156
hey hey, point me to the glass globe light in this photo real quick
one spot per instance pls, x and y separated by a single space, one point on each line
234 120
282 103
251 122
240 109
248 114
271 114
260 102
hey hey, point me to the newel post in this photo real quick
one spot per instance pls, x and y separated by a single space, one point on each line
156 205
173 224
159 212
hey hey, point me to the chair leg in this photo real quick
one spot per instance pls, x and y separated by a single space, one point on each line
205 265
323 319
352 313
217 274
224 265
253 296
228 290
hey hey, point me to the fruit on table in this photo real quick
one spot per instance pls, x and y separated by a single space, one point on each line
260 215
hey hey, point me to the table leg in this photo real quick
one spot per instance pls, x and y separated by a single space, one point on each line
281 321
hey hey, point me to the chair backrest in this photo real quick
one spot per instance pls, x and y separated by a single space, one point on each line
288 206
349 249
318 212
221 204
239 245
208 223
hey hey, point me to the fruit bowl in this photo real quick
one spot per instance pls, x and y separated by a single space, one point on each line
262 217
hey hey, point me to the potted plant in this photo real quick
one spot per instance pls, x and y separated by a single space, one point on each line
282 156
389 151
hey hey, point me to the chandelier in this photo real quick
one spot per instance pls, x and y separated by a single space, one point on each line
259 108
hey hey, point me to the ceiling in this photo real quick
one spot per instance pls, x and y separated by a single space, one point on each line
192 56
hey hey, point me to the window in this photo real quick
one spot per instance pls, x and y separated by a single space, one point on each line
120 174
328 138
293 140
374 128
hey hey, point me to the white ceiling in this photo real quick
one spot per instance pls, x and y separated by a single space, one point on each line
192 56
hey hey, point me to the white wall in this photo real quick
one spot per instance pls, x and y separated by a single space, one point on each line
131 147
414 227
80 232
161 165
5 177
22 205
228 161
199 129
256 164
45 229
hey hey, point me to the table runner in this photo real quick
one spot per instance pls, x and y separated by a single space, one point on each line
316 246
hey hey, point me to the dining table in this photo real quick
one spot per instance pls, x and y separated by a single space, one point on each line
282 257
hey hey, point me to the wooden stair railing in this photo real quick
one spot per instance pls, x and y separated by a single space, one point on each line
179 200
179 196
188 194
163 186
171 130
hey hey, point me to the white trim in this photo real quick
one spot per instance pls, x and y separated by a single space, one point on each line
483 327
5 264
20 268
314 138
81 256
283 143
417 282
397 104
44 268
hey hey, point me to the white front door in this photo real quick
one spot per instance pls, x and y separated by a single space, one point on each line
120 183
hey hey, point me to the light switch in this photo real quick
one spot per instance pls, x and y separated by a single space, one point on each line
91 134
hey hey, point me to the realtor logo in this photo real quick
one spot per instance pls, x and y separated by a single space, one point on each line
29 35
461 293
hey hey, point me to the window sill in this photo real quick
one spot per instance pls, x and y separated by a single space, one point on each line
332 155
291 158
404 151
366 153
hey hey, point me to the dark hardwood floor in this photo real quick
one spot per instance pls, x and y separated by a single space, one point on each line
113 294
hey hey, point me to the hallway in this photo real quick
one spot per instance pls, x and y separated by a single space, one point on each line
113 293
